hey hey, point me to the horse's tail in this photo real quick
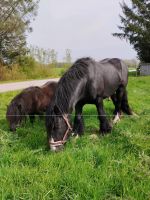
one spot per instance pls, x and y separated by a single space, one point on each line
124 73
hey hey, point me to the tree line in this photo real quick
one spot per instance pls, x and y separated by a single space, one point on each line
15 20
15 23
49 56
16 17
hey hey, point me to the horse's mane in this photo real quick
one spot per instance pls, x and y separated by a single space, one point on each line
65 89
69 82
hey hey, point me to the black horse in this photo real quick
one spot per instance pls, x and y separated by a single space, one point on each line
87 81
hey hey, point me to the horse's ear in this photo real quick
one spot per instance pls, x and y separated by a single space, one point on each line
56 110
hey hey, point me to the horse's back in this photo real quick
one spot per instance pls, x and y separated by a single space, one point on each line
35 99
49 88
108 75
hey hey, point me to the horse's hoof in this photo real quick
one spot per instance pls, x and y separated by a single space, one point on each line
116 118
73 134
109 99
77 136
105 130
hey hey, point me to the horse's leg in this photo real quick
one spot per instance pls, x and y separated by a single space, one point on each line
104 124
118 101
125 105
114 100
25 119
78 128
41 115
32 118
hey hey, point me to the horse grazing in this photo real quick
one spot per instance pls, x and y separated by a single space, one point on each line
31 101
87 81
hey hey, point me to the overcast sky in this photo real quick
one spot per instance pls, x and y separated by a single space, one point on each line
84 26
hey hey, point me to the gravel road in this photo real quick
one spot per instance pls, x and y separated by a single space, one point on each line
5 87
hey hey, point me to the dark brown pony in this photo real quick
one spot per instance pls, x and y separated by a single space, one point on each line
30 102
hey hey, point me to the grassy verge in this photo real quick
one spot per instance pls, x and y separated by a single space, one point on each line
116 166
16 75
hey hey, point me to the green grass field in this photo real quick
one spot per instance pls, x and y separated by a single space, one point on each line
116 166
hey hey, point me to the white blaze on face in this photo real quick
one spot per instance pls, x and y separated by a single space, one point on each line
116 119
53 148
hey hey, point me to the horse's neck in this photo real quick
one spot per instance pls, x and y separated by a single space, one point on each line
76 95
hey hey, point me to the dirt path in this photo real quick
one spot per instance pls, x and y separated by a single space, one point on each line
5 87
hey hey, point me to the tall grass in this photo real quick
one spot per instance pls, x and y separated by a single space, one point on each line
11 74
23 73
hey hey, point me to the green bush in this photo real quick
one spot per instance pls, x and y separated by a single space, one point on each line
28 68
11 73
